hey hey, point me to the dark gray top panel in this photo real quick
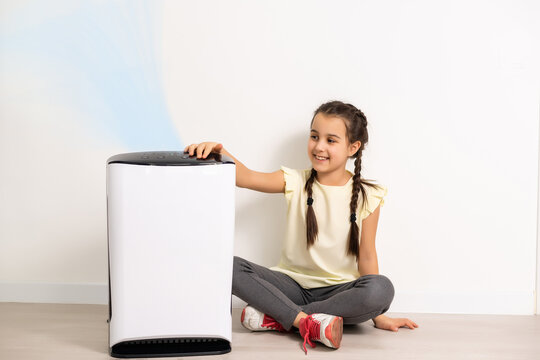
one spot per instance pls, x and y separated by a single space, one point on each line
168 158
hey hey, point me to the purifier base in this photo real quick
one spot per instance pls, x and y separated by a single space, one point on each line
170 347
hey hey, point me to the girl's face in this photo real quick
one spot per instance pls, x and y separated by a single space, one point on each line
328 146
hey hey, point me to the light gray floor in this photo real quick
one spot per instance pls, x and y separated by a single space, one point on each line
60 331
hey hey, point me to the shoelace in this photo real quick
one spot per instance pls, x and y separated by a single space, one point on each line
311 329
271 323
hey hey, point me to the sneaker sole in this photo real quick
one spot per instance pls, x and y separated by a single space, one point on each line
334 332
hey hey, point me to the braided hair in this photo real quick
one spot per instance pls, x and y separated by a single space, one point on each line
356 125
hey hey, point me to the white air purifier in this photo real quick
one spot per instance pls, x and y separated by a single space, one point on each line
170 224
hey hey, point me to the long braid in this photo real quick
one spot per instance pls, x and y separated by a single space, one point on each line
311 220
353 247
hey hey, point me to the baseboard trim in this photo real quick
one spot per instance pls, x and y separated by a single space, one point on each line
469 302
57 293
466 302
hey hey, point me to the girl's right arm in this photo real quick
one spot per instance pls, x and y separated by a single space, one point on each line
245 178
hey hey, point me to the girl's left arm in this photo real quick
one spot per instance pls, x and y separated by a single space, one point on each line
368 264
367 256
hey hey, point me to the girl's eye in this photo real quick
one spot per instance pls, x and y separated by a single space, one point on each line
313 136
330 140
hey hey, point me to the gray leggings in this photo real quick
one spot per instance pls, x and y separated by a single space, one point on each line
282 298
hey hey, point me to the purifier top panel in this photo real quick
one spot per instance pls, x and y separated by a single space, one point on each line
168 158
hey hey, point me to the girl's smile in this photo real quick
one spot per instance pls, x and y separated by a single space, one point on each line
321 159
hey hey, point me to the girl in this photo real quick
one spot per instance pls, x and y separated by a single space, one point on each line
328 274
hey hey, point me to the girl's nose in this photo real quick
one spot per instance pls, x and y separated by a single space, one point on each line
319 147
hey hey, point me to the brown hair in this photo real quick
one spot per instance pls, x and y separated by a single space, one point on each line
356 125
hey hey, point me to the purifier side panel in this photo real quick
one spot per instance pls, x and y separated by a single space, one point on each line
171 234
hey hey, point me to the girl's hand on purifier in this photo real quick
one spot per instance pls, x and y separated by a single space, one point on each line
203 149
388 323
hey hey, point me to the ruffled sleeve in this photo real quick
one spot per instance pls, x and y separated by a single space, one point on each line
375 197
292 179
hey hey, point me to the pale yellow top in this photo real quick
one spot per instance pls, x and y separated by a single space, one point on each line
326 262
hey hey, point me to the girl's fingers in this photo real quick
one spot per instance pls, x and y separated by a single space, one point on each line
202 149
412 325
211 147
207 151
192 149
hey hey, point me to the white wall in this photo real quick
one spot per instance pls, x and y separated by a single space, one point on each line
450 89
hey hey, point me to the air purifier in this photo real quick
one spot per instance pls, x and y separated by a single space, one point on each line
170 227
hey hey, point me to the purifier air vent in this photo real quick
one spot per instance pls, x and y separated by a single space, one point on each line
170 347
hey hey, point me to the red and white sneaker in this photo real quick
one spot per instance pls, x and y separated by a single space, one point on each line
324 328
255 320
